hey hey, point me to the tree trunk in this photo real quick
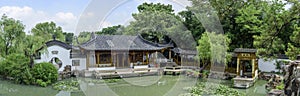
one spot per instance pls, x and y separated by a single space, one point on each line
31 61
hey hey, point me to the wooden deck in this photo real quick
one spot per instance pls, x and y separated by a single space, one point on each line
123 73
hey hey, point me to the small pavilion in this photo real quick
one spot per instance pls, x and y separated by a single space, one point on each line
247 67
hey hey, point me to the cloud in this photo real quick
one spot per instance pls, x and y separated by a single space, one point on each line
31 17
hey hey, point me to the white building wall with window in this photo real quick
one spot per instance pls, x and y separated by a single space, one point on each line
56 51
78 63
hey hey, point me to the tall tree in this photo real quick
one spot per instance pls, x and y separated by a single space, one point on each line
192 23
11 33
113 30
294 47
212 49
68 37
81 38
154 22
31 45
276 27
47 30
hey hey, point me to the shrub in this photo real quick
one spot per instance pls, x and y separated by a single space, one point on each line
44 73
16 66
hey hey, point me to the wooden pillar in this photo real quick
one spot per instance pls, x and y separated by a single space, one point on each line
147 57
111 58
98 58
143 57
123 59
87 60
170 54
253 67
238 67
117 60
133 57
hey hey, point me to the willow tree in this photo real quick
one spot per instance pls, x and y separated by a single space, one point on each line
11 34
212 49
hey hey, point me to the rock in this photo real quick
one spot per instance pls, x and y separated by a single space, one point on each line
275 92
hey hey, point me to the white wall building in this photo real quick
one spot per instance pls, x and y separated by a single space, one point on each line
61 54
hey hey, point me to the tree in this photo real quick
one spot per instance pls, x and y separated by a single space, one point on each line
47 30
216 16
276 28
212 49
69 37
294 47
30 46
192 23
113 30
16 66
81 38
154 22
11 33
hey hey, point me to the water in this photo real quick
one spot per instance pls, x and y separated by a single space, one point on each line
11 89
137 86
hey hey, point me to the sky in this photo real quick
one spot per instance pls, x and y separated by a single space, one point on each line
78 15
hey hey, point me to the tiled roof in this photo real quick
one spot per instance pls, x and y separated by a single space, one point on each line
121 42
59 43
183 51
246 50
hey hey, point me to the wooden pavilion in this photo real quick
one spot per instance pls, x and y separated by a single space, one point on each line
119 51
247 67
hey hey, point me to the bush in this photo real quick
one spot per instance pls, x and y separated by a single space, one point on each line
16 67
44 74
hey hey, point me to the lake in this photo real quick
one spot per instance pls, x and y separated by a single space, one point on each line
135 86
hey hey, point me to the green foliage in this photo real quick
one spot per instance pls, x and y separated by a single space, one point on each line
113 30
154 22
276 27
203 88
11 33
44 73
280 87
293 47
151 7
47 30
213 48
16 66
66 85
112 80
81 38
69 37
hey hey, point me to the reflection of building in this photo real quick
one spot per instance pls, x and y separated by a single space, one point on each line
108 52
